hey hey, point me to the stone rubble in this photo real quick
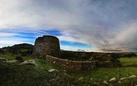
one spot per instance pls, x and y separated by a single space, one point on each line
29 62
124 78
52 70
132 76
113 79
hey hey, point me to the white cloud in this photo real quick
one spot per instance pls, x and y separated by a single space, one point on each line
10 38
9 42
5 34
99 23
126 37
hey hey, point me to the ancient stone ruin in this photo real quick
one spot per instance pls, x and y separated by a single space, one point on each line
46 45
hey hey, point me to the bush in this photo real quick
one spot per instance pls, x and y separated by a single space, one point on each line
114 57
1 51
19 59
27 75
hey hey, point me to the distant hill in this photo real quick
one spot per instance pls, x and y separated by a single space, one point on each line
20 46
23 46
22 49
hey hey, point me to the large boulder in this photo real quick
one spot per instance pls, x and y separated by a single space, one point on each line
2 59
29 62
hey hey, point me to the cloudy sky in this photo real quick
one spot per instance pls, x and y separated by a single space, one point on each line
90 25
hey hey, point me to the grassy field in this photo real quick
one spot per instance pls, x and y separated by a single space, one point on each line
81 78
100 73
128 61
9 56
97 74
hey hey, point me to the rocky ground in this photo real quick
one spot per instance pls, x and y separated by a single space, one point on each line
28 73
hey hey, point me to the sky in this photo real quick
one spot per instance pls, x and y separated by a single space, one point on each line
90 25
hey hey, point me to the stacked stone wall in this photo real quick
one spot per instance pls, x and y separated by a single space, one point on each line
46 45
70 64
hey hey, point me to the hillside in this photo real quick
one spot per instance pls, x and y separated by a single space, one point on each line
23 50
44 73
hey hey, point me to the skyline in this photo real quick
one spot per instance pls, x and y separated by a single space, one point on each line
90 25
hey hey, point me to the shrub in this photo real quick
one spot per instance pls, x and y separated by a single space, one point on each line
1 51
19 59
114 57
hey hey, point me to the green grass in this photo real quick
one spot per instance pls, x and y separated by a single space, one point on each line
104 73
96 74
9 56
43 64
128 61
107 73
27 75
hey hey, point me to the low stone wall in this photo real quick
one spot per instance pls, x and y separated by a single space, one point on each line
76 65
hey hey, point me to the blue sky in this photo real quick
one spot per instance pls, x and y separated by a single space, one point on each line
90 25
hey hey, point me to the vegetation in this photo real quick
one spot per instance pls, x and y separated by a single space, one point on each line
13 74
19 49
19 59
28 75
128 61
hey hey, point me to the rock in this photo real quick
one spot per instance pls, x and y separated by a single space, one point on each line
124 78
132 76
29 62
2 59
81 78
52 70
96 83
119 82
113 79
72 85
91 79
11 61
105 82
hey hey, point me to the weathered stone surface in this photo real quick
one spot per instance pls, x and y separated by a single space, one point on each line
2 59
52 70
29 62
46 45
70 64
105 82
113 79
81 78
12 61
132 76
124 78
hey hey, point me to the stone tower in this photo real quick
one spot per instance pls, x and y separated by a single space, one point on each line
46 45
